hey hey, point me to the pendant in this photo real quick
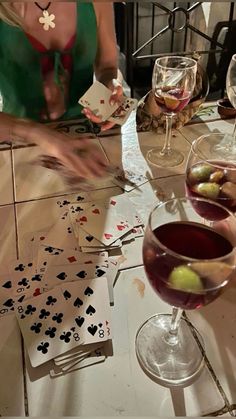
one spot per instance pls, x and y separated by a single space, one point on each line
47 20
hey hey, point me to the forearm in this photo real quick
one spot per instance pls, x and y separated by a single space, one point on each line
25 131
106 75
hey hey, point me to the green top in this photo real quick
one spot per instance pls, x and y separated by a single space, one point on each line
21 82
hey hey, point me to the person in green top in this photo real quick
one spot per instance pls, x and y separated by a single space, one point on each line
49 54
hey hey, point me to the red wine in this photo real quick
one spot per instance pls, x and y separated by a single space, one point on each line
171 99
214 180
191 240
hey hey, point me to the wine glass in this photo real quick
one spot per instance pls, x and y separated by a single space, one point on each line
188 261
231 92
210 175
173 82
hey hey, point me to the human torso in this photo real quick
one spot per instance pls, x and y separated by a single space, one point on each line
74 22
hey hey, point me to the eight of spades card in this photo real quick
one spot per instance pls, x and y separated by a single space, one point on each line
65 317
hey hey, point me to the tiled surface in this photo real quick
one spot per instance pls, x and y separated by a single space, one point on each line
11 369
33 181
6 195
7 234
41 215
192 132
133 287
130 150
125 389
217 324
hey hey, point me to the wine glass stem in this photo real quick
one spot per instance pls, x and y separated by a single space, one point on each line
166 149
172 336
234 131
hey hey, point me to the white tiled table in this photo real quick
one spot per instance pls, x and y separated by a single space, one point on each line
118 387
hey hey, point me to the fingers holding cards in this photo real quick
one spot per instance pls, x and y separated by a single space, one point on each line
98 100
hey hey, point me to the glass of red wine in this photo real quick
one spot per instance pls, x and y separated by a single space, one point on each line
210 175
231 92
189 262
173 82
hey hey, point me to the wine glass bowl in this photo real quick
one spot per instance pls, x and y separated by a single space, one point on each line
231 81
173 83
210 176
189 261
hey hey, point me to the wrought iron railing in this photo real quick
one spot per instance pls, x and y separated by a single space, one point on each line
135 53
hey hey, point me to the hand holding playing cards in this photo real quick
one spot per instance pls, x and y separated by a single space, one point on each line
115 99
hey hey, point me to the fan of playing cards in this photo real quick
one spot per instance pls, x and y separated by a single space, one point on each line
61 294
97 99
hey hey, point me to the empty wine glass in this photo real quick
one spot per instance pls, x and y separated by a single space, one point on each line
173 82
231 92
189 261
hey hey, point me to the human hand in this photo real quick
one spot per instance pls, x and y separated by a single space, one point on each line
80 157
116 97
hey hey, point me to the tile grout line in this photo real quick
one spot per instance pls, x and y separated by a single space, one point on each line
209 366
26 407
14 199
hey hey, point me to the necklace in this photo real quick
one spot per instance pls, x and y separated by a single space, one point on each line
47 19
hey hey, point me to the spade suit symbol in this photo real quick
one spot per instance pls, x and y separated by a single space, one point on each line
90 310
79 321
7 284
88 291
62 276
92 329
78 302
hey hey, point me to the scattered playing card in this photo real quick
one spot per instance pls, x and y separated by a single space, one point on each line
128 180
65 317
106 226
91 358
121 114
61 235
97 99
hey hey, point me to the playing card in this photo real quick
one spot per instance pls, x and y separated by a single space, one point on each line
121 114
56 275
68 257
79 351
32 241
105 225
90 250
63 203
23 274
128 180
75 211
61 235
86 240
97 99
124 207
8 299
63 318
92 358
111 277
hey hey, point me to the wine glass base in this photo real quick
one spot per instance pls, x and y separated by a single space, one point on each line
169 365
225 148
170 159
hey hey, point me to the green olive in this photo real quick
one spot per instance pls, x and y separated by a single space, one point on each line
207 189
200 173
185 279
217 176
228 190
